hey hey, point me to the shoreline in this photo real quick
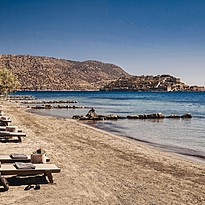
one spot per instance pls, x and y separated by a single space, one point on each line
101 168
182 152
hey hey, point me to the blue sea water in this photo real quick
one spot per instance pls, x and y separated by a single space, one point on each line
183 136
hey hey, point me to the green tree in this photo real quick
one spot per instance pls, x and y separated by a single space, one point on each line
8 82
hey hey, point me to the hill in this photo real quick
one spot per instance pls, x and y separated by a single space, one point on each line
46 73
150 83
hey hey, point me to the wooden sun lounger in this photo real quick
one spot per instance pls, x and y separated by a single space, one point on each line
5 122
8 159
3 128
46 169
6 134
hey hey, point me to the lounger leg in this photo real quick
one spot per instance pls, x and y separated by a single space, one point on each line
49 175
19 138
4 182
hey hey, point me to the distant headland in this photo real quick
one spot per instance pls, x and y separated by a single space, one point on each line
47 73
151 83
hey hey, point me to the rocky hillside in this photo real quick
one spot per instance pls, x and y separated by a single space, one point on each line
44 73
150 83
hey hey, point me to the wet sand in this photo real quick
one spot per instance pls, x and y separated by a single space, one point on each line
100 168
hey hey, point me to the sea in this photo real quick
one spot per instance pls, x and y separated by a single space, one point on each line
181 136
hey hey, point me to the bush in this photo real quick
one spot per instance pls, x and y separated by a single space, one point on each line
8 82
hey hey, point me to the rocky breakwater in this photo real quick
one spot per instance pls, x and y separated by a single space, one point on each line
158 116
92 115
48 106
49 102
52 104
146 116
21 97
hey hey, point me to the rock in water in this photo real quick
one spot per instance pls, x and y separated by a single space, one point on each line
187 115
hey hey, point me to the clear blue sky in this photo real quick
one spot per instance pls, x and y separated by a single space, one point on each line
147 37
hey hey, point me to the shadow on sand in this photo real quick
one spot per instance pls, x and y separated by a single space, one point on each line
25 180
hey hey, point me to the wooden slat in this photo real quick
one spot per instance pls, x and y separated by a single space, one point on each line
10 169
12 134
8 159
3 128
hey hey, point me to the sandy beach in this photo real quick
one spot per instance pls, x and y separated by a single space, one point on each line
100 168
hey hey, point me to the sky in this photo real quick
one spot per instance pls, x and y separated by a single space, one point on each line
144 37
